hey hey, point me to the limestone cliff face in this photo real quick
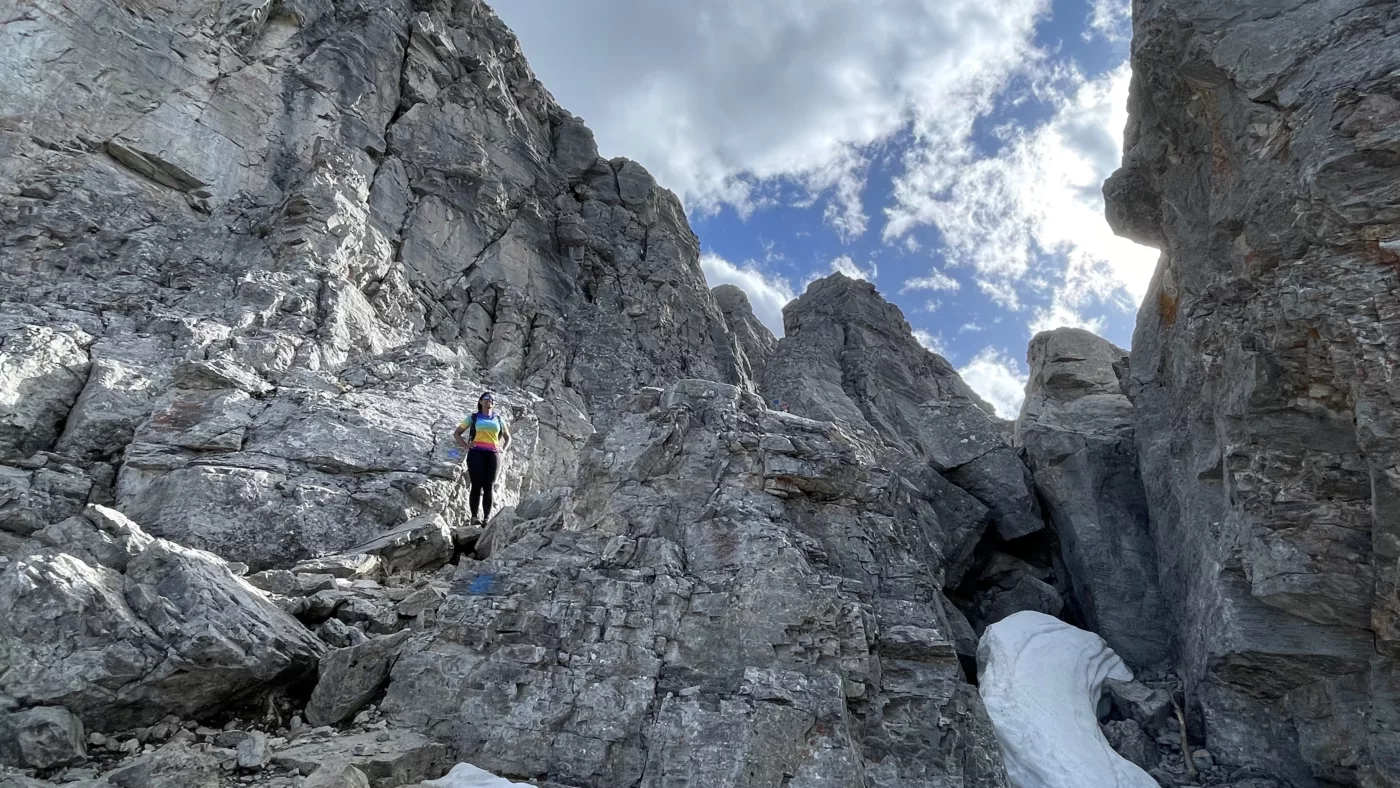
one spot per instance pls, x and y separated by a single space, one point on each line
225 220
1263 158
848 355
259 258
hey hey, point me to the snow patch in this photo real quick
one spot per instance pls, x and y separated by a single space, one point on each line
1041 680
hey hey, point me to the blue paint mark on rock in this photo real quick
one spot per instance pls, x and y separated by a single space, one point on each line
481 584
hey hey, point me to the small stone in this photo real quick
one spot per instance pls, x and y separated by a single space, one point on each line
130 746
230 739
96 739
253 752
337 774
1202 760
205 733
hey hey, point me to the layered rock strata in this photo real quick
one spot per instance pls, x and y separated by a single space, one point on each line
1262 158
847 355
728 588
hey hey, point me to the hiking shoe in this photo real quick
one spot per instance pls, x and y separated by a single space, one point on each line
476 522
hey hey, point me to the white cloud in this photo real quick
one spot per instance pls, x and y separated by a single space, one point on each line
933 342
997 378
1031 216
845 265
1111 19
936 280
1061 316
719 97
767 294
970 328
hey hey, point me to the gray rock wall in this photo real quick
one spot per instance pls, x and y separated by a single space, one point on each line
731 596
1076 429
849 356
1262 157
233 231
258 259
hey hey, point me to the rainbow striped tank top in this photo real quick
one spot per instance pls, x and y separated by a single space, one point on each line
488 431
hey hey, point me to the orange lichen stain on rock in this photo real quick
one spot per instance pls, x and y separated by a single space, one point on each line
1382 253
1167 306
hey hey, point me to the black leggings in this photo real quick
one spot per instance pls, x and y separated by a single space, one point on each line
481 467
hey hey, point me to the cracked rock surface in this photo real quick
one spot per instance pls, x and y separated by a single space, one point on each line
1261 158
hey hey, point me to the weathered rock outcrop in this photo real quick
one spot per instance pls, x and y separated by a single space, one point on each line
1076 430
1263 158
222 223
753 337
122 629
728 585
849 356
259 258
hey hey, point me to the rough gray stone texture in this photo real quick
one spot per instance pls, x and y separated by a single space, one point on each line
122 629
259 260
753 337
1261 156
174 765
41 738
849 356
350 678
1076 432
336 775
238 237
388 759
1004 584
1128 739
729 591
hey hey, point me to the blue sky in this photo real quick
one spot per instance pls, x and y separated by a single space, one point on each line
951 151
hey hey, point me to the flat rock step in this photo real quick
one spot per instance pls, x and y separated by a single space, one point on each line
389 758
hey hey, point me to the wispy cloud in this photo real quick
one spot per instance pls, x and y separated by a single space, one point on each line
933 342
998 378
1110 19
936 280
845 265
1031 217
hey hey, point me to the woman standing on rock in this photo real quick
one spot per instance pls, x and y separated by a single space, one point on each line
487 437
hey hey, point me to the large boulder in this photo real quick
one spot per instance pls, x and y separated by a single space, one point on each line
123 629
1260 157
1076 429
41 738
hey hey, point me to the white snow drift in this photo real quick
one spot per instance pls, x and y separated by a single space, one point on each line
1041 680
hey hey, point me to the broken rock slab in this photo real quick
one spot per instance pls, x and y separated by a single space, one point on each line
138 629
176 765
424 542
337 774
41 738
350 678
389 758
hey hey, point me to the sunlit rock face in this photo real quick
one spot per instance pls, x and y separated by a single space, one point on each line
1261 158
